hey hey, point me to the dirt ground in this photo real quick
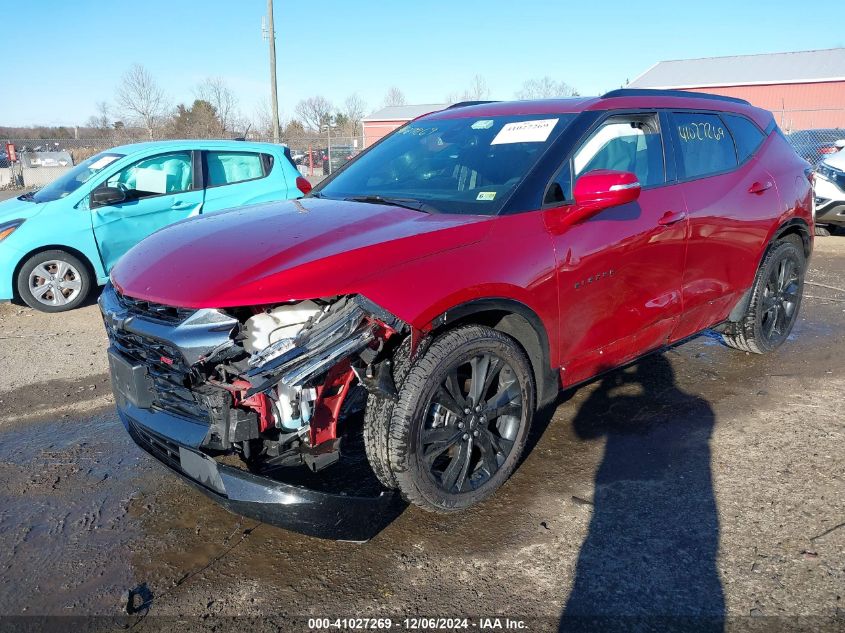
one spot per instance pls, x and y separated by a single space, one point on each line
703 485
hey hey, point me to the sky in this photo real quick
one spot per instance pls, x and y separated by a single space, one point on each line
63 57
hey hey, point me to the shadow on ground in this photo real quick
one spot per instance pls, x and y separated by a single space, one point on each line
649 559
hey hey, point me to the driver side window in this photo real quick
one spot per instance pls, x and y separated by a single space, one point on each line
155 176
629 143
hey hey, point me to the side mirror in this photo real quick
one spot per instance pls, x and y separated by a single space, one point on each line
106 196
604 188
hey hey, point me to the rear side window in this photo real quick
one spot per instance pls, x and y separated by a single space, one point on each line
227 168
747 136
705 144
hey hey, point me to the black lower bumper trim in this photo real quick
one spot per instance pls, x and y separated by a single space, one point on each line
318 514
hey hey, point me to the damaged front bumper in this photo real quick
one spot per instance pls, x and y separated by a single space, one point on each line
174 429
310 512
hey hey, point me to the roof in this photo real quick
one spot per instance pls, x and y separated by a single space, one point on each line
404 112
744 70
197 143
618 99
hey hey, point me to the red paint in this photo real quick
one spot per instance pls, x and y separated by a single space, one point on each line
610 277
259 402
330 397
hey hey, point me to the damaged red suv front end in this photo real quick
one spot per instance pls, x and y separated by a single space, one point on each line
194 386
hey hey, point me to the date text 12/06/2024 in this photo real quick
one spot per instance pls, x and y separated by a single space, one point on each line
419 624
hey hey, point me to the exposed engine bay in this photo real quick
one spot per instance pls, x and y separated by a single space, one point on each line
279 385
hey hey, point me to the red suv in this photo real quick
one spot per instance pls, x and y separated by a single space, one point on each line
451 280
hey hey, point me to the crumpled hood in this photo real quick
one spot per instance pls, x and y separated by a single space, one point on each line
284 251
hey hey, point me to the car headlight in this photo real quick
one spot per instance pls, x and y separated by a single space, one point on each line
7 228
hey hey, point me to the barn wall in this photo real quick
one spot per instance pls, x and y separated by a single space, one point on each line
795 106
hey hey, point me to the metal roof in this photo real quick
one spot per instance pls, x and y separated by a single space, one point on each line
744 70
404 112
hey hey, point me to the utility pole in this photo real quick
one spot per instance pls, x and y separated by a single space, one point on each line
274 95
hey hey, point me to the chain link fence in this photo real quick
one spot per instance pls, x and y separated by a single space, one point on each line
813 132
40 161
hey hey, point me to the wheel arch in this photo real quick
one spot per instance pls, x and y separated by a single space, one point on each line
52 247
517 320
793 226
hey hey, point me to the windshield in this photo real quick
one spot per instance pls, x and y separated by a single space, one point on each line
75 178
465 165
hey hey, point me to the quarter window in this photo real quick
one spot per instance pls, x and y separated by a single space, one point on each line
629 143
227 168
155 176
747 136
706 145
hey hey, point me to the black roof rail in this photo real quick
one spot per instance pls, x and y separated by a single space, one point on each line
653 92
466 104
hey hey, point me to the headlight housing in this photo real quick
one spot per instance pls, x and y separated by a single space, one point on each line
7 228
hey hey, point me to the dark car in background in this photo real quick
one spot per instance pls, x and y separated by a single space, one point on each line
338 156
814 145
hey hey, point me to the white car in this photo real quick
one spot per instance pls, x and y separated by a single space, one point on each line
830 189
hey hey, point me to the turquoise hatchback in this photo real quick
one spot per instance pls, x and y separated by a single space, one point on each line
57 243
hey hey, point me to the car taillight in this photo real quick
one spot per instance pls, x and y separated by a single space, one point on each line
303 185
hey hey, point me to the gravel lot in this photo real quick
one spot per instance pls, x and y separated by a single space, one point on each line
701 483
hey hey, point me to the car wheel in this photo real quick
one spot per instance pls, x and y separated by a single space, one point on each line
822 231
775 300
54 281
462 419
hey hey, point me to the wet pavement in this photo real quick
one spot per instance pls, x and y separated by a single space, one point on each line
701 482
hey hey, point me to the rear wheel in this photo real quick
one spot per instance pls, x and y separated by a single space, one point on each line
54 281
462 419
775 299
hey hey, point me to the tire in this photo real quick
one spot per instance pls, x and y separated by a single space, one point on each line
69 278
822 231
377 418
445 458
773 308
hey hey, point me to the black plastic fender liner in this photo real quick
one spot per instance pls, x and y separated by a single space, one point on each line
295 508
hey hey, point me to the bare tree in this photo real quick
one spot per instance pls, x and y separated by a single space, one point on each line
216 91
394 97
545 88
354 109
476 91
101 121
141 98
314 112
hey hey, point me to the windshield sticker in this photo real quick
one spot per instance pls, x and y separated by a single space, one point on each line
525 132
486 195
99 164
417 131
483 124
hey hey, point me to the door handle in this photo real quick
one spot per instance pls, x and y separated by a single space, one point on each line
670 217
760 187
178 204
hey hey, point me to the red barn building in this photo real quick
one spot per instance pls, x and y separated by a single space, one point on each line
383 122
804 89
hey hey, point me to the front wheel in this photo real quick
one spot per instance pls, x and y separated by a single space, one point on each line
775 299
462 419
54 281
